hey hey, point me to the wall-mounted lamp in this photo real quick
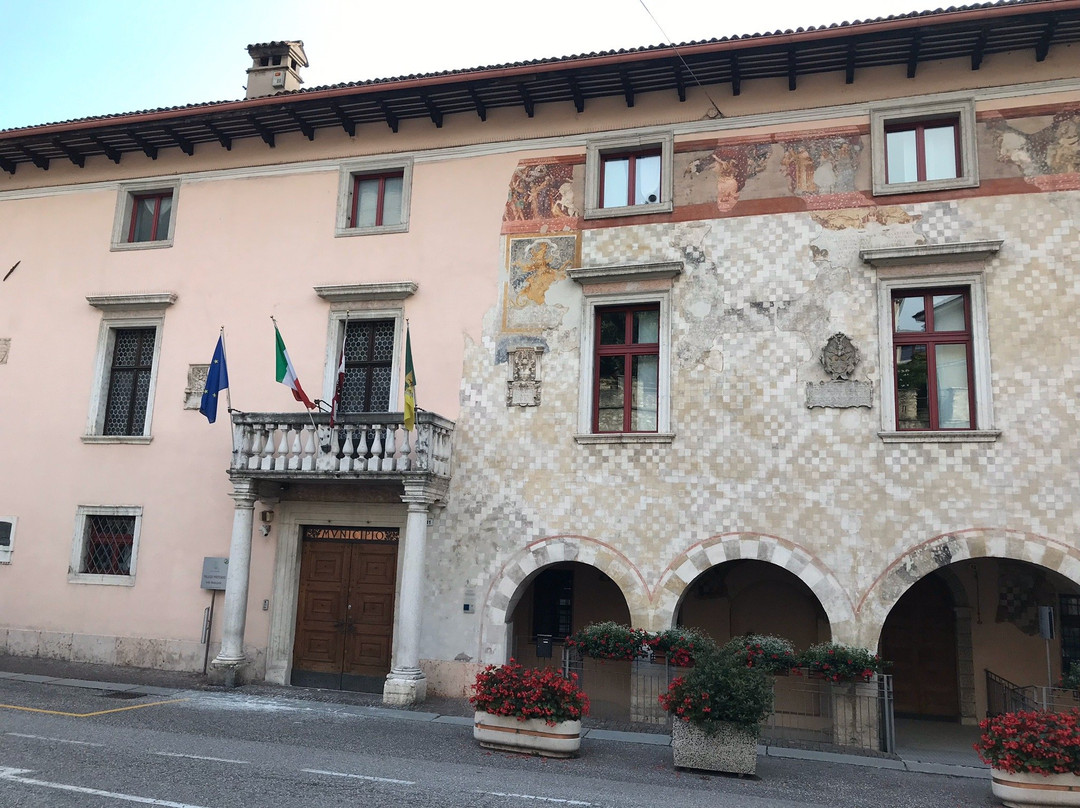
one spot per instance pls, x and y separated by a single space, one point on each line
266 517
265 529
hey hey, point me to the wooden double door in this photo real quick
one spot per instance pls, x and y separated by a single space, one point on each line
345 608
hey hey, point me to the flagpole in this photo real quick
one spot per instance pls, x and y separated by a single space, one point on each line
224 361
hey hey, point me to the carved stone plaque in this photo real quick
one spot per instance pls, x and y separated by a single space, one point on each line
5 347
196 383
840 394
839 357
523 385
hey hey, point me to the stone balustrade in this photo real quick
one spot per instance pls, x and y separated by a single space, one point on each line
301 445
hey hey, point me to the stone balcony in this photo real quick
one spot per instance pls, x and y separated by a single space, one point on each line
368 446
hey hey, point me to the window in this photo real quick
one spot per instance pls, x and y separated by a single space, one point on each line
1070 630
932 343
106 545
925 147
627 368
7 538
145 216
369 363
374 197
553 601
150 217
628 176
625 394
129 346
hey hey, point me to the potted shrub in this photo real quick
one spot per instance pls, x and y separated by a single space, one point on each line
608 640
678 645
717 709
771 654
841 663
1034 757
528 710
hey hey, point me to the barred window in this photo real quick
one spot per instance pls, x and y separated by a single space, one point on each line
129 381
108 546
369 360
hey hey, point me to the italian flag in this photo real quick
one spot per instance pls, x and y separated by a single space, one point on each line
286 373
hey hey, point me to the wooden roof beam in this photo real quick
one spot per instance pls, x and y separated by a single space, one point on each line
628 87
1042 48
680 85
575 91
433 110
149 149
979 49
72 155
37 159
388 114
792 70
186 146
262 130
109 151
526 100
223 138
347 123
849 67
7 165
736 77
913 54
305 127
478 103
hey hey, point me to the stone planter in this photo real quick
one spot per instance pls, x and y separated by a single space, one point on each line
732 749
1035 790
531 736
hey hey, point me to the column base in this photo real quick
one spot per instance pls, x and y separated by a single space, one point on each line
404 687
229 671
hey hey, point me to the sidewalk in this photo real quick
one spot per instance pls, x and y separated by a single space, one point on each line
920 749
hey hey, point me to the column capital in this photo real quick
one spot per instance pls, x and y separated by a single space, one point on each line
245 492
424 490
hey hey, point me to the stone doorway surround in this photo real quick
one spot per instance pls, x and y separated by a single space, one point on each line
286 581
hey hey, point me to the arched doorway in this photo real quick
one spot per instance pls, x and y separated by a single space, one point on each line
919 639
753 597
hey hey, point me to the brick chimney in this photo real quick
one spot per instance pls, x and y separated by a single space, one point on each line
275 68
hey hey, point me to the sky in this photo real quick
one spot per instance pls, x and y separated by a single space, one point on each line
80 58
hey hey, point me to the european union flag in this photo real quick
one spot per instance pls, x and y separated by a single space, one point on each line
217 379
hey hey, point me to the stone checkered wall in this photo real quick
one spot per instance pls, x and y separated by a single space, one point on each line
751 471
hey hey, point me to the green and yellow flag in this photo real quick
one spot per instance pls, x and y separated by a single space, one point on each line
410 384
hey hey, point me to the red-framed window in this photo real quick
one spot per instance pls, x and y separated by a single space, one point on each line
150 215
935 384
109 544
629 178
921 151
627 369
376 199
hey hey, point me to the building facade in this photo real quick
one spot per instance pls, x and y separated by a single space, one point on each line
770 334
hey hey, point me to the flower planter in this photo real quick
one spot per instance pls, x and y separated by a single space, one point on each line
531 736
732 749
1024 790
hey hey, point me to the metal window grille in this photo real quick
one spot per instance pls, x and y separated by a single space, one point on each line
5 534
108 545
369 359
129 381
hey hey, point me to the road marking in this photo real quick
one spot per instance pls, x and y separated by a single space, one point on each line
57 740
533 797
13 776
87 715
202 757
362 777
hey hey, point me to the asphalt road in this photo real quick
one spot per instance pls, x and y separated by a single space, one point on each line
64 747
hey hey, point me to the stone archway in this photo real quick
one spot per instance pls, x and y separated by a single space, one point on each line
508 585
676 580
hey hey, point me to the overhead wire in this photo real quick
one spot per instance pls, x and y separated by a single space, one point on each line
689 69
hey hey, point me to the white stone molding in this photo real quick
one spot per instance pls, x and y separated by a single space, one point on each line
367 292
125 197
675 581
357 168
196 383
524 376
890 112
135 301
959 545
918 254
510 581
595 148
622 273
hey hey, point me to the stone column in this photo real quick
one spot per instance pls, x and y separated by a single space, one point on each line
406 684
231 656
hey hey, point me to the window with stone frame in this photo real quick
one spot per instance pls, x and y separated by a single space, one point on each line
7 538
106 545
932 342
131 368
151 215
369 361
626 369
629 176
145 215
923 147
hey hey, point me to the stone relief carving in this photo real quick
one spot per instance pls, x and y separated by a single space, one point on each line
5 348
523 384
839 358
196 383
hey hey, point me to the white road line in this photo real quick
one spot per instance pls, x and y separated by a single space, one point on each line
533 797
202 757
12 775
56 740
362 777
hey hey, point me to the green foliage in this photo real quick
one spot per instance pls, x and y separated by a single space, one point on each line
681 645
841 663
720 688
523 693
763 651
609 640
